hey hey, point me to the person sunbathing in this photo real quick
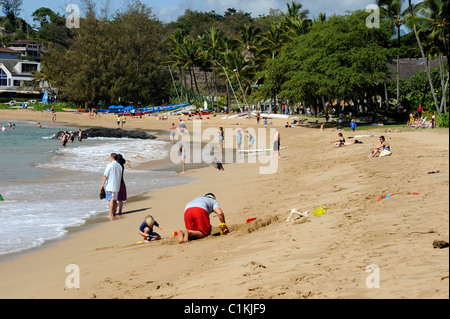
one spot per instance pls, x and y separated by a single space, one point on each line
383 146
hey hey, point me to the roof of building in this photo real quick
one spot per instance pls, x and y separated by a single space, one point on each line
8 50
410 67
10 64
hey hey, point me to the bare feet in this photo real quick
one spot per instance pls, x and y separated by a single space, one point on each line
183 236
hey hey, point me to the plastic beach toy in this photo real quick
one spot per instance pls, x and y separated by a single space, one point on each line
250 220
1 198
222 227
319 211
175 234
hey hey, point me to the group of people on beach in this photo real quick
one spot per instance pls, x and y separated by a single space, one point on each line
69 136
375 151
196 215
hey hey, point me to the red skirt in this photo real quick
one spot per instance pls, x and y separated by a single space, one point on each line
196 218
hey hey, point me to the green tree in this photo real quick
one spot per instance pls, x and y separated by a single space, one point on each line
338 59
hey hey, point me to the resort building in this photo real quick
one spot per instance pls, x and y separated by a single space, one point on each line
28 48
16 79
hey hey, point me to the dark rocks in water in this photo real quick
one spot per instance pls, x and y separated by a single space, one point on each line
109 133
117 133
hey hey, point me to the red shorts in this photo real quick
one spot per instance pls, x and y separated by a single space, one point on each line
196 218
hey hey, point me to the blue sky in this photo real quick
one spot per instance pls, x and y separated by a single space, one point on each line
170 10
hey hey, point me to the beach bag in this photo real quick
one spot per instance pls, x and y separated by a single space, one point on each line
102 194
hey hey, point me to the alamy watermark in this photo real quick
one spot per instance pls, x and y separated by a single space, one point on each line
373 280
73 279
73 19
373 20
206 146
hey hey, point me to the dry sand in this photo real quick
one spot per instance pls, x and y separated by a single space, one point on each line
315 257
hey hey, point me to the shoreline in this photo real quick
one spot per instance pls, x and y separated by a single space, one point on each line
319 257
164 165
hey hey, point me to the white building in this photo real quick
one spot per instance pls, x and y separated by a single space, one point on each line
16 75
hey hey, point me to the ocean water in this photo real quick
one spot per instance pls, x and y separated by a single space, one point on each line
48 188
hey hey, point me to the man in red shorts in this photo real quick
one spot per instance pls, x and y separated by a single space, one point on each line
196 218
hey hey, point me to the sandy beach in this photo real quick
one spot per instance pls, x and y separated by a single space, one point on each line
270 258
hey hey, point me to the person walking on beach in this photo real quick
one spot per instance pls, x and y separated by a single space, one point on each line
353 125
239 141
122 196
258 117
112 178
276 143
251 140
197 221
182 153
124 120
221 138
173 130
119 120
182 127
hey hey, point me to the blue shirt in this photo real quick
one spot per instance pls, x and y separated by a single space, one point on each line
144 226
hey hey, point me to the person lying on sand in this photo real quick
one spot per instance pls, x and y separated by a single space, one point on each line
393 131
383 146
146 229
196 218
341 141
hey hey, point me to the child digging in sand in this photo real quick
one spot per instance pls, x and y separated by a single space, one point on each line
146 229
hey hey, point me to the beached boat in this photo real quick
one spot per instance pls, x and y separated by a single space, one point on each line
272 116
196 113
135 114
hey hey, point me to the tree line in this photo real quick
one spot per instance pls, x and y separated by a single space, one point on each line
285 57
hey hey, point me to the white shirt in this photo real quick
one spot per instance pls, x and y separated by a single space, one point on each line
113 172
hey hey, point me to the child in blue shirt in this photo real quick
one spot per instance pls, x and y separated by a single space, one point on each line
353 125
146 229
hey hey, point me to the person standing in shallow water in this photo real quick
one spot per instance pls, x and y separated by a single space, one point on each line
112 178
122 196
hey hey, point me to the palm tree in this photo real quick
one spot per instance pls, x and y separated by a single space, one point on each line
249 41
273 40
296 20
432 20
412 18
393 10
211 51
186 54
